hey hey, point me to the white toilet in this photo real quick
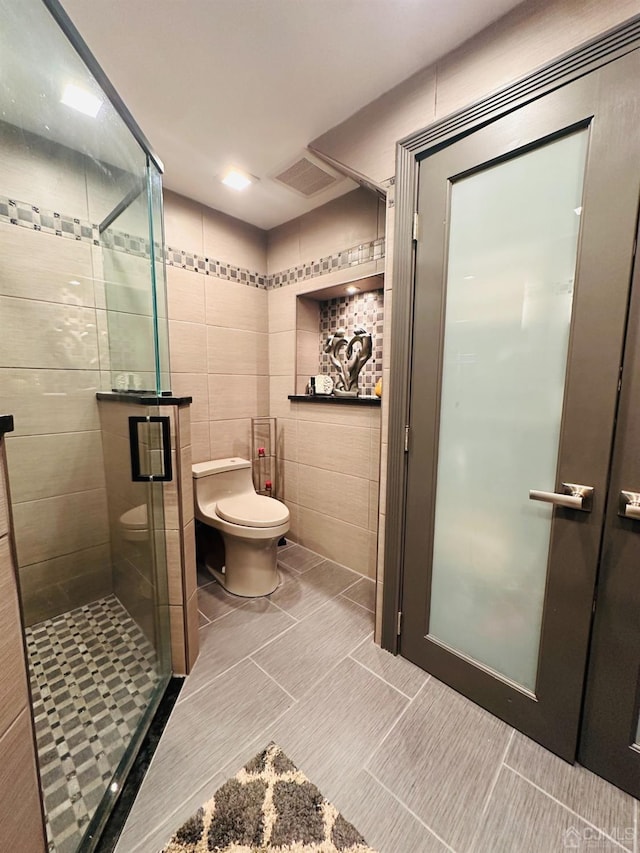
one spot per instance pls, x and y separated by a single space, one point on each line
250 524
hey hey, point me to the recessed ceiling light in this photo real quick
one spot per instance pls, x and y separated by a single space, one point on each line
353 289
81 100
236 179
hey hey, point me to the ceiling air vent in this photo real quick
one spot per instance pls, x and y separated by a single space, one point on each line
306 177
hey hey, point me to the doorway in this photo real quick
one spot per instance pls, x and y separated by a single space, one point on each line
512 546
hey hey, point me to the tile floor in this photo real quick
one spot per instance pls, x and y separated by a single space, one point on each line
415 766
92 671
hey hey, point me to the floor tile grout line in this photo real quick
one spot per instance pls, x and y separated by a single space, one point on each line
566 807
407 808
353 601
282 610
204 616
232 665
275 681
492 787
377 675
236 756
394 724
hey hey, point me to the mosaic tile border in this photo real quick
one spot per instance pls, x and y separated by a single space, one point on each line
22 214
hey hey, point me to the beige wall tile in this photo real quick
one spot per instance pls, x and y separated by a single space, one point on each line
374 455
178 644
288 481
334 448
44 334
188 347
190 579
185 295
374 492
186 485
308 315
283 247
54 526
236 306
40 172
234 397
236 242
20 812
184 424
529 36
230 438
344 222
48 401
287 439
194 385
338 541
193 634
183 223
4 516
279 389
334 494
41 466
282 353
235 351
170 500
58 585
41 266
127 282
200 446
282 310
384 449
174 566
307 352
346 415
15 694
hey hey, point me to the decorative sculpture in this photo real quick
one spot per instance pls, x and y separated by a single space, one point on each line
348 358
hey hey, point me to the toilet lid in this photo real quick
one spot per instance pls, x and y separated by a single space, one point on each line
253 511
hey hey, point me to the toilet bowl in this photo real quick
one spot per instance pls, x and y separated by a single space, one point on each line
133 524
250 524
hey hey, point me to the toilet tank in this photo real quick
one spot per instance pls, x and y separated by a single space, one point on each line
221 478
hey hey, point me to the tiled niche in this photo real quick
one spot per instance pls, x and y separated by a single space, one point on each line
323 312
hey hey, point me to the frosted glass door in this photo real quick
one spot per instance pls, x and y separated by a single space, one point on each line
513 238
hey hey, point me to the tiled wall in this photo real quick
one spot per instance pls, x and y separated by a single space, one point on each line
21 826
233 348
218 325
50 361
329 453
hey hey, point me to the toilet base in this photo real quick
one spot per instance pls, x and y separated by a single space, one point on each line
250 568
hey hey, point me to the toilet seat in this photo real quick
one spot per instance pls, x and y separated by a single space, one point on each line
135 518
251 510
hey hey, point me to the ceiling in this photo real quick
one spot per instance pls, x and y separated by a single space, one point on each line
249 83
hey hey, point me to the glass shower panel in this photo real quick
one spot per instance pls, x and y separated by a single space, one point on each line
80 282
505 355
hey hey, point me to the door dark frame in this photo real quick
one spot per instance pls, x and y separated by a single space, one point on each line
570 66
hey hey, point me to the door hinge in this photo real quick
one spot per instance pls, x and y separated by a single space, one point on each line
416 220
406 438
399 624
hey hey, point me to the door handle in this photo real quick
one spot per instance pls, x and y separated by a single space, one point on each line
572 496
629 506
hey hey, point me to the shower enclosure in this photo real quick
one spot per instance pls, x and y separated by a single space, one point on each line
82 311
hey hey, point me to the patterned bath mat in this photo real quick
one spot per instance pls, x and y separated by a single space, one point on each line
271 807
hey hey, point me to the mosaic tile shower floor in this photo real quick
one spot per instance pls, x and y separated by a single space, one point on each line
92 672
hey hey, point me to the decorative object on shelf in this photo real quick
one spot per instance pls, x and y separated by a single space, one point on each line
348 357
378 389
264 461
323 384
